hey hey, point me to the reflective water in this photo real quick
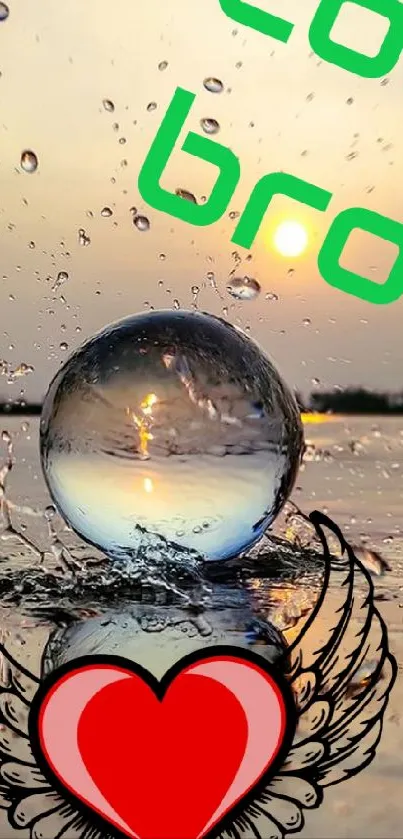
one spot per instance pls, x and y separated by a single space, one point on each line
353 469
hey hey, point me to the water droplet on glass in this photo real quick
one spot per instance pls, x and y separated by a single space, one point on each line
243 288
131 422
213 85
141 222
83 239
106 212
4 11
210 125
163 65
61 278
184 193
29 161
63 346
108 105
151 106
176 304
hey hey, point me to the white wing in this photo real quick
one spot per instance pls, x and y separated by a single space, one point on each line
25 793
341 688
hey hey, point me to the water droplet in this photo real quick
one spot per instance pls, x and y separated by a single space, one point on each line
151 106
83 239
163 65
307 322
184 193
106 212
210 125
141 222
350 100
108 105
61 278
233 214
176 304
213 85
243 288
144 400
4 11
271 297
29 161
63 346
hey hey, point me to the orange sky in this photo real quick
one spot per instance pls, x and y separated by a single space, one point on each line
59 61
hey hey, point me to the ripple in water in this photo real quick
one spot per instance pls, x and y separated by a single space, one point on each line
170 428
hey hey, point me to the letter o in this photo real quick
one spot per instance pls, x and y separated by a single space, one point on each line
348 281
370 67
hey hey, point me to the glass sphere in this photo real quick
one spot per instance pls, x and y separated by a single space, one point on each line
174 424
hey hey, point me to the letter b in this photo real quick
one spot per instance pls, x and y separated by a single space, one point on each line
201 147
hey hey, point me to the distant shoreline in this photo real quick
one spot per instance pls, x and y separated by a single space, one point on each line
308 416
20 410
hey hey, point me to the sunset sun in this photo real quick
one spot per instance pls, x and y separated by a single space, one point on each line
291 238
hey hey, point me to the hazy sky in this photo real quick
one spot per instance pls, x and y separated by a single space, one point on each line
60 60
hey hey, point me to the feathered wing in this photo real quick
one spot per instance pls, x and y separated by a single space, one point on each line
25 793
341 674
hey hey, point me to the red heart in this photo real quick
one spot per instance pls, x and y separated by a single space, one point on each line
162 760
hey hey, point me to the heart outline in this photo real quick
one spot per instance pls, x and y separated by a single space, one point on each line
159 688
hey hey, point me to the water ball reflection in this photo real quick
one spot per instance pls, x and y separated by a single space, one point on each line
156 637
170 423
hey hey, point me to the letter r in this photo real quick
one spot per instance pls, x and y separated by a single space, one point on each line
201 147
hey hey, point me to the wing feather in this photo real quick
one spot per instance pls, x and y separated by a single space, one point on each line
25 793
340 711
